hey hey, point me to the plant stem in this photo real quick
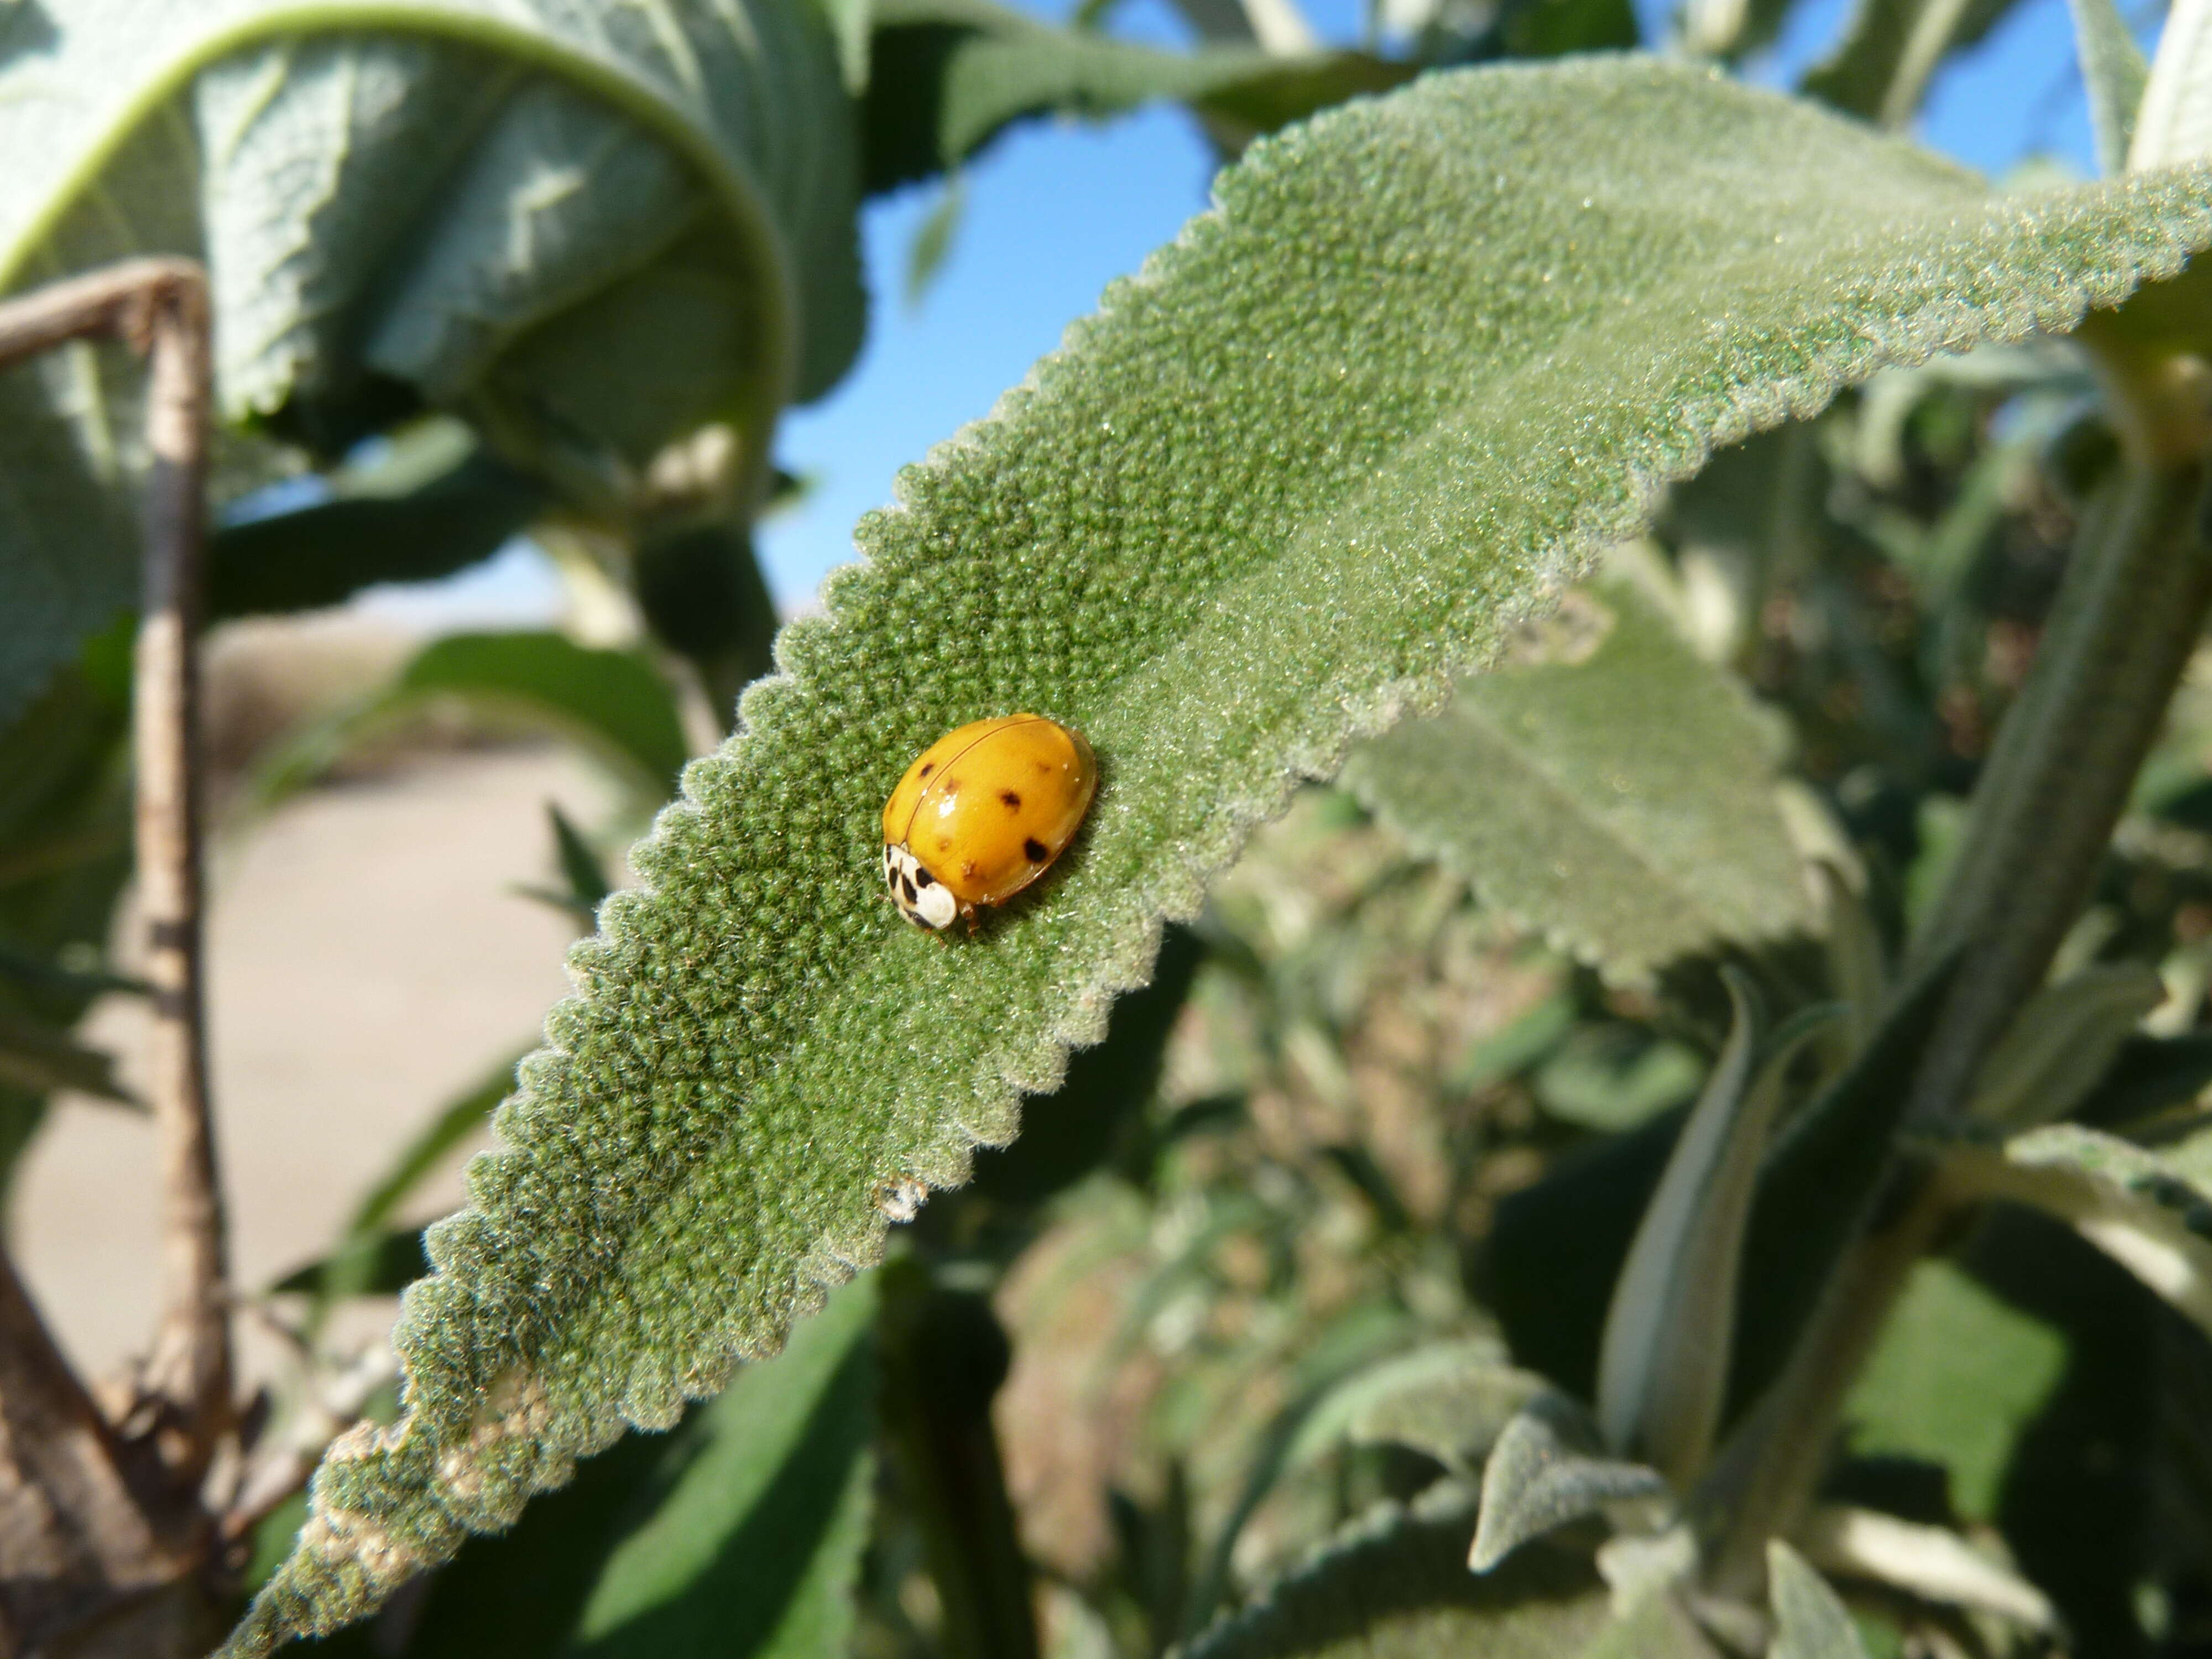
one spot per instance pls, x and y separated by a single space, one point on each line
192 1364
160 308
2127 616
73 1534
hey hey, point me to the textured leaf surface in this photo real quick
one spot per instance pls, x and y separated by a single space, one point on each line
1617 792
2062 1043
2151 1211
1547 1470
1397 1587
1663 1364
1427 355
949 75
1809 1620
590 228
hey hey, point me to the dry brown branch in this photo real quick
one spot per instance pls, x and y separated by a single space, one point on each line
103 1522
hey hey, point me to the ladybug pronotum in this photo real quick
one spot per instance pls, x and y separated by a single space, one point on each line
981 813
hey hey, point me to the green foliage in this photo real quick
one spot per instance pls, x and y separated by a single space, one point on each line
2149 1209
1250 458
739 1533
1662 1368
1956 1383
948 75
613 703
2114 72
1397 1587
383 524
1809 1620
369 202
1547 1469
1604 786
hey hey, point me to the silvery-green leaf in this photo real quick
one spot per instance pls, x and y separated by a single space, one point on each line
1654 1626
2151 1211
1663 1362
1932 1563
2173 123
589 229
1809 1619
2113 73
1357 422
1449 1400
1549 1468
2062 1043
1604 786
1396 1583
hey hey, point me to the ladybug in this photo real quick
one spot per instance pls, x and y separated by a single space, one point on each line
982 813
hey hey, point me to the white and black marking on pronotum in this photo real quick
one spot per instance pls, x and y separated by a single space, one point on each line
921 898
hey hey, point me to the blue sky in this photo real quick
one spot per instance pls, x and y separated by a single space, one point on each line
1056 210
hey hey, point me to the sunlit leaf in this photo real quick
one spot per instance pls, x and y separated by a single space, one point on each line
1809 1619
588 229
2113 73
614 703
1356 423
949 75
1615 792
1397 1585
1548 1469
2151 1211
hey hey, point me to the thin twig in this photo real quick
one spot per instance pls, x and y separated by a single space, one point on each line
160 306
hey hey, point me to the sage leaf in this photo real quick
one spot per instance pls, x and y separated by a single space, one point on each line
1959 1378
1449 1401
1547 1469
1809 1619
1397 1582
2059 1046
1359 420
1932 1563
2113 73
614 704
1663 1362
2150 1210
949 75
1615 792
2175 120
590 229
1654 1626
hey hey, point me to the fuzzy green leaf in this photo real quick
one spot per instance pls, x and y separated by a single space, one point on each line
738 1534
1427 356
2113 73
948 75
1548 1469
1617 792
613 703
1449 1401
2062 1043
2173 123
590 228
1809 1620
2150 1210
1663 1364
1397 1587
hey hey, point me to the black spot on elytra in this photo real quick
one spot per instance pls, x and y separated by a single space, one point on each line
1035 850
1013 801
927 767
